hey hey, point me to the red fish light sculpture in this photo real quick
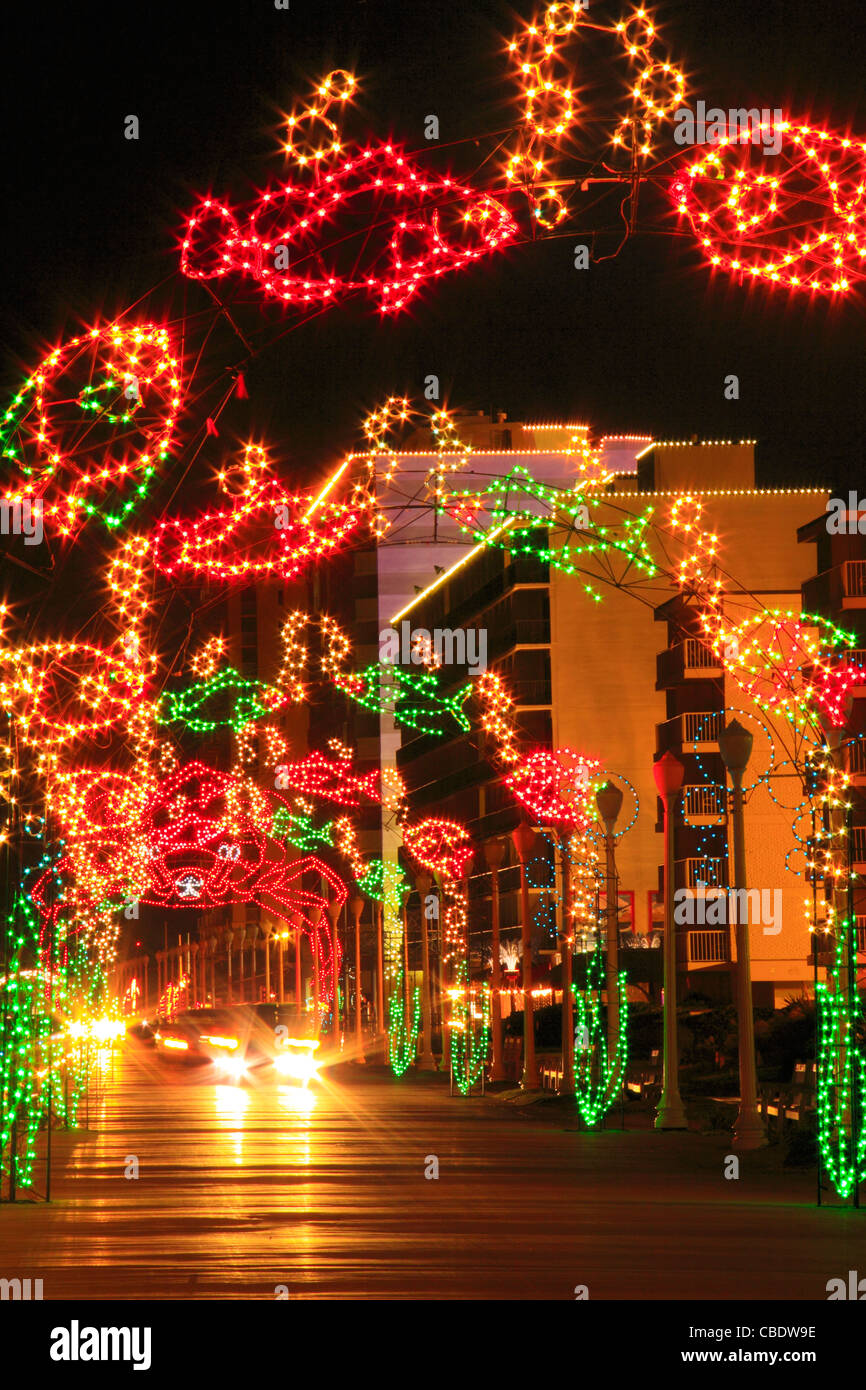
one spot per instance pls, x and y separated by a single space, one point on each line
353 219
265 532
796 218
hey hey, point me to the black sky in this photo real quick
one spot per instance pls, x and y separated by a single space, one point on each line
641 342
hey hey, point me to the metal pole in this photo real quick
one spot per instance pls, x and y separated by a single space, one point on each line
668 773
749 1129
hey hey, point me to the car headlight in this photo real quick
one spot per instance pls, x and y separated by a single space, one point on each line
235 1066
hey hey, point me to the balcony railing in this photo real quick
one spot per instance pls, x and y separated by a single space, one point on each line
854 578
858 844
691 732
830 589
861 935
701 872
703 803
857 757
706 947
687 660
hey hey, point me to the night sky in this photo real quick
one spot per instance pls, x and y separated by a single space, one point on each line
639 343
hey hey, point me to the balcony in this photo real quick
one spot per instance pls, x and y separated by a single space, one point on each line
704 946
838 588
688 660
858 848
693 733
861 935
522 632
856 761
704 804
528 694
701 872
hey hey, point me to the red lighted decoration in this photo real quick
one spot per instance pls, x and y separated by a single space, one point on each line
197 843
266 532
333 779
91 426
360 220
556 787
442 846
795 218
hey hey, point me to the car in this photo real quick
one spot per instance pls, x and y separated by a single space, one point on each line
177 1039
239 1041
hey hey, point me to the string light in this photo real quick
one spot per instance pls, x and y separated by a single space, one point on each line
800 225
95 419
266 533
415 226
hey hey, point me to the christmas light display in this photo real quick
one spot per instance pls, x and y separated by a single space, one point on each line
333 779
412 698
556 786
252 700
515 507
598 1076
62 692
445 848
799 224
92 425
46 1012
402 1035
470 1029
266 533
841 1066
351 219
551 119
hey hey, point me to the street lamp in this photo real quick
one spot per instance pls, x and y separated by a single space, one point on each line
524 842
668 774
494 855
735 746
426 1060
609 802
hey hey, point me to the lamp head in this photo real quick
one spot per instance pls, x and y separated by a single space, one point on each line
735 746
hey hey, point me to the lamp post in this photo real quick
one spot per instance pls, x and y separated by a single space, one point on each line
426 1060
524 842
668 773
609 802
494 855
356 907
735 746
